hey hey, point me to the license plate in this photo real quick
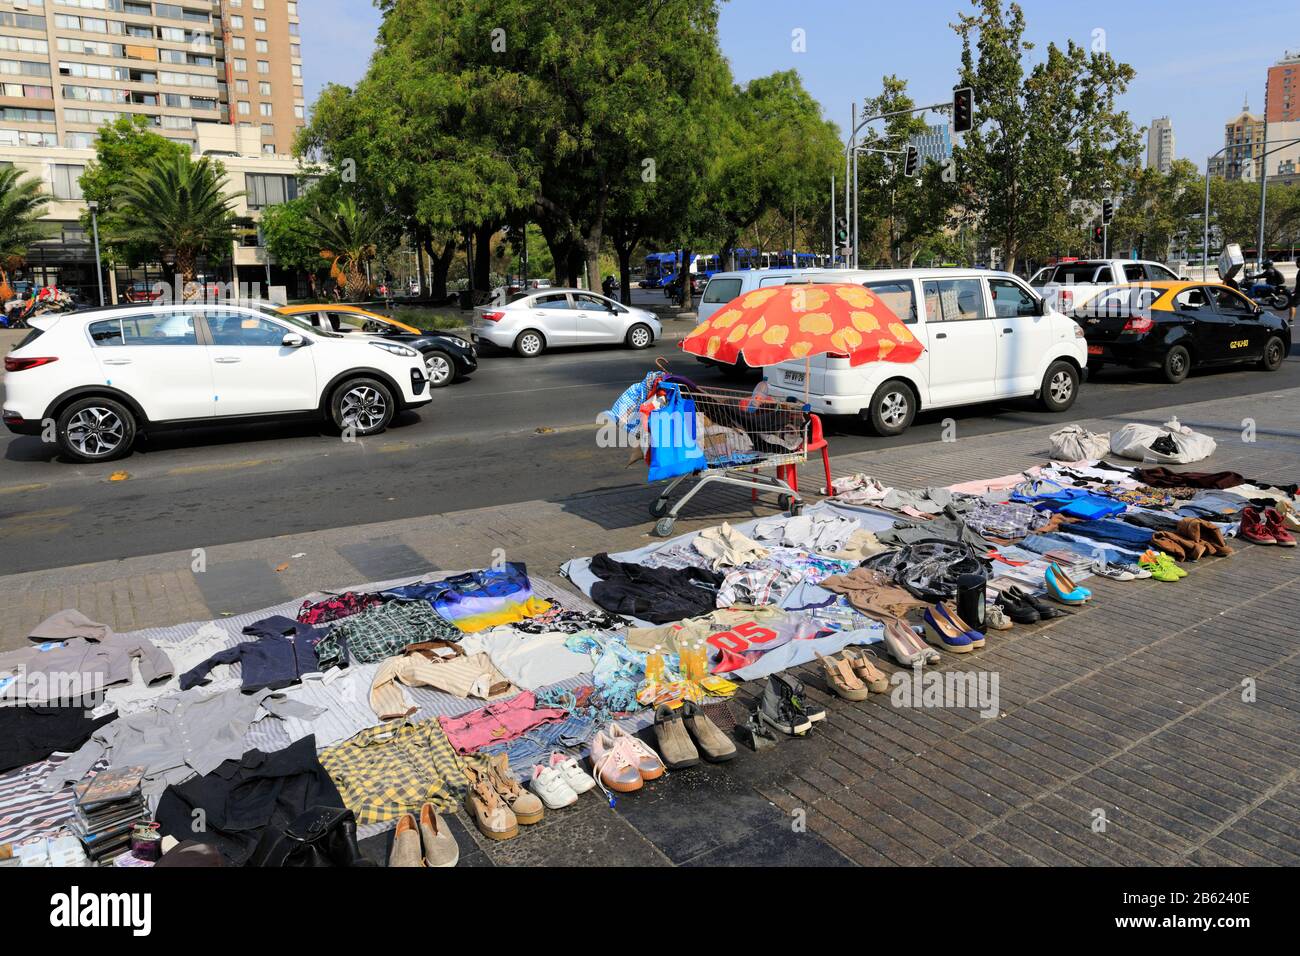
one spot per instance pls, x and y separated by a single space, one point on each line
1094 350
794 378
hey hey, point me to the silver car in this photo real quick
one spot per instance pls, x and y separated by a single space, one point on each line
532 322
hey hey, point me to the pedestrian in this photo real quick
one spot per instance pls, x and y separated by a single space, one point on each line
1295 296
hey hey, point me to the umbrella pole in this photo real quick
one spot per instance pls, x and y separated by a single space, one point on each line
807 370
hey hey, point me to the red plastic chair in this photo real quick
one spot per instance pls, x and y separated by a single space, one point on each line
816 443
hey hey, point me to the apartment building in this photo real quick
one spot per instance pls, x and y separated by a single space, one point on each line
67 66
1160 145
1282 101
223 77
1243 135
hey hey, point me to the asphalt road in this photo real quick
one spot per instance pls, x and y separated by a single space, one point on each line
518 430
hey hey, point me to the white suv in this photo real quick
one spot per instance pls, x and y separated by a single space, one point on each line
100 377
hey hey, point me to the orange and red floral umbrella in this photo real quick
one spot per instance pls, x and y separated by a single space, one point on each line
787 322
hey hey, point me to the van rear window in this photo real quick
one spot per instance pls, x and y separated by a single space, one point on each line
721 290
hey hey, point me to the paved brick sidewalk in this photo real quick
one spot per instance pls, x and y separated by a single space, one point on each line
1130 712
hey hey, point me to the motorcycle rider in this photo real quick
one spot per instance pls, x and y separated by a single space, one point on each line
1270 275
609 285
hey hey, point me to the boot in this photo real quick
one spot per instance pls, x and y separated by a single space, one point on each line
776 708
813 712
1277 528
1254 528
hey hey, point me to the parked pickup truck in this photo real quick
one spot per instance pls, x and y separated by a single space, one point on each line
1068 285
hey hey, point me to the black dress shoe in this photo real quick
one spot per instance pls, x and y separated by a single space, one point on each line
1017 610
1045 611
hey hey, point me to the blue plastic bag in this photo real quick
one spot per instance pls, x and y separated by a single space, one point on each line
674 448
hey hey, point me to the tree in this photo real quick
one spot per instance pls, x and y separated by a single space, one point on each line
22 202
1042 138
121 147
178 209
348 237
774 152
1156 212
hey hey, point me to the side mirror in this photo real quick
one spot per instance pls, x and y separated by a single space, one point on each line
292 340
1040 307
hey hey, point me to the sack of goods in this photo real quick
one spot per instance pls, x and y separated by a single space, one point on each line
1171 444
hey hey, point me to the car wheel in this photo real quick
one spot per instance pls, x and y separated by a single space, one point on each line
529 344
639 336
363 406
1177 364
892 408
95 429
439 368
1274 354
1060 387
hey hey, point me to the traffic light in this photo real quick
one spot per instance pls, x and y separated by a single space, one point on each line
963 109
911 160
1107 211
841 231
1097 234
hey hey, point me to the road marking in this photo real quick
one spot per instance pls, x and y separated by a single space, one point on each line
217 466
18 489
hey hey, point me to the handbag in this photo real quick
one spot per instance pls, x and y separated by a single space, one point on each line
674 448
320 837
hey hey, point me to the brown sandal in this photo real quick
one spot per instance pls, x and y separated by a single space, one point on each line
862 665
842 680
494 819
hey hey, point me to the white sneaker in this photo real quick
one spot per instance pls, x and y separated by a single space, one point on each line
573 774
551 786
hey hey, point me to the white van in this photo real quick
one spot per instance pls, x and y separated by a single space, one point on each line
987 336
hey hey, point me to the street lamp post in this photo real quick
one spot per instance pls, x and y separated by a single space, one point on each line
99 268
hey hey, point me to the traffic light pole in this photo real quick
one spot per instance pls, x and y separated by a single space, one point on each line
851 157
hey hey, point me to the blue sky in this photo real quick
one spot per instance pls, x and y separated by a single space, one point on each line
1193 63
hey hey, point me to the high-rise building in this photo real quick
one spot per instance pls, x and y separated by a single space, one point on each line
1282 102
224 77
68 66
1243 158
935 144
1160 145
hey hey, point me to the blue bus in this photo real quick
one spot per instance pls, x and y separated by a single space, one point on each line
661 267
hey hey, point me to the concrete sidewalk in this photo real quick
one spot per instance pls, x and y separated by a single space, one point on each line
1156 726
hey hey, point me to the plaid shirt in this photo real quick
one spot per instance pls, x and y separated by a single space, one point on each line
396 768
1009 521
381 632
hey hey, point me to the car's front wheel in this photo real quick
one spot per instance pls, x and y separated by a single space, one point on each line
439 368
362 406
1060 387
639 336
1274 353
529 344
95 429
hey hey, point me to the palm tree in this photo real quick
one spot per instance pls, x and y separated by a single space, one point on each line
349 238
179 207
21 203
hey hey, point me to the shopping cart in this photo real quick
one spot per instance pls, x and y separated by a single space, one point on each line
741 435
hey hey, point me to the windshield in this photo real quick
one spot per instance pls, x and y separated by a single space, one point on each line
293 320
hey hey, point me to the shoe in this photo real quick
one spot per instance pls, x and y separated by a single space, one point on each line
1169 564
776 708
647 762
814 712
1158 569
1139 573
527 807
1278 529
1067 582
1020 611
551 788
1045 611
996 618
1254 528
406 843
906 645
755 734
1059 590
573 774
952 638
871 675
1113 571
839 675
713 745
494 819
440 847
674 742
975 637
613 765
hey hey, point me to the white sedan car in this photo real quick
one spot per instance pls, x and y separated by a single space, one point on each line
532 322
